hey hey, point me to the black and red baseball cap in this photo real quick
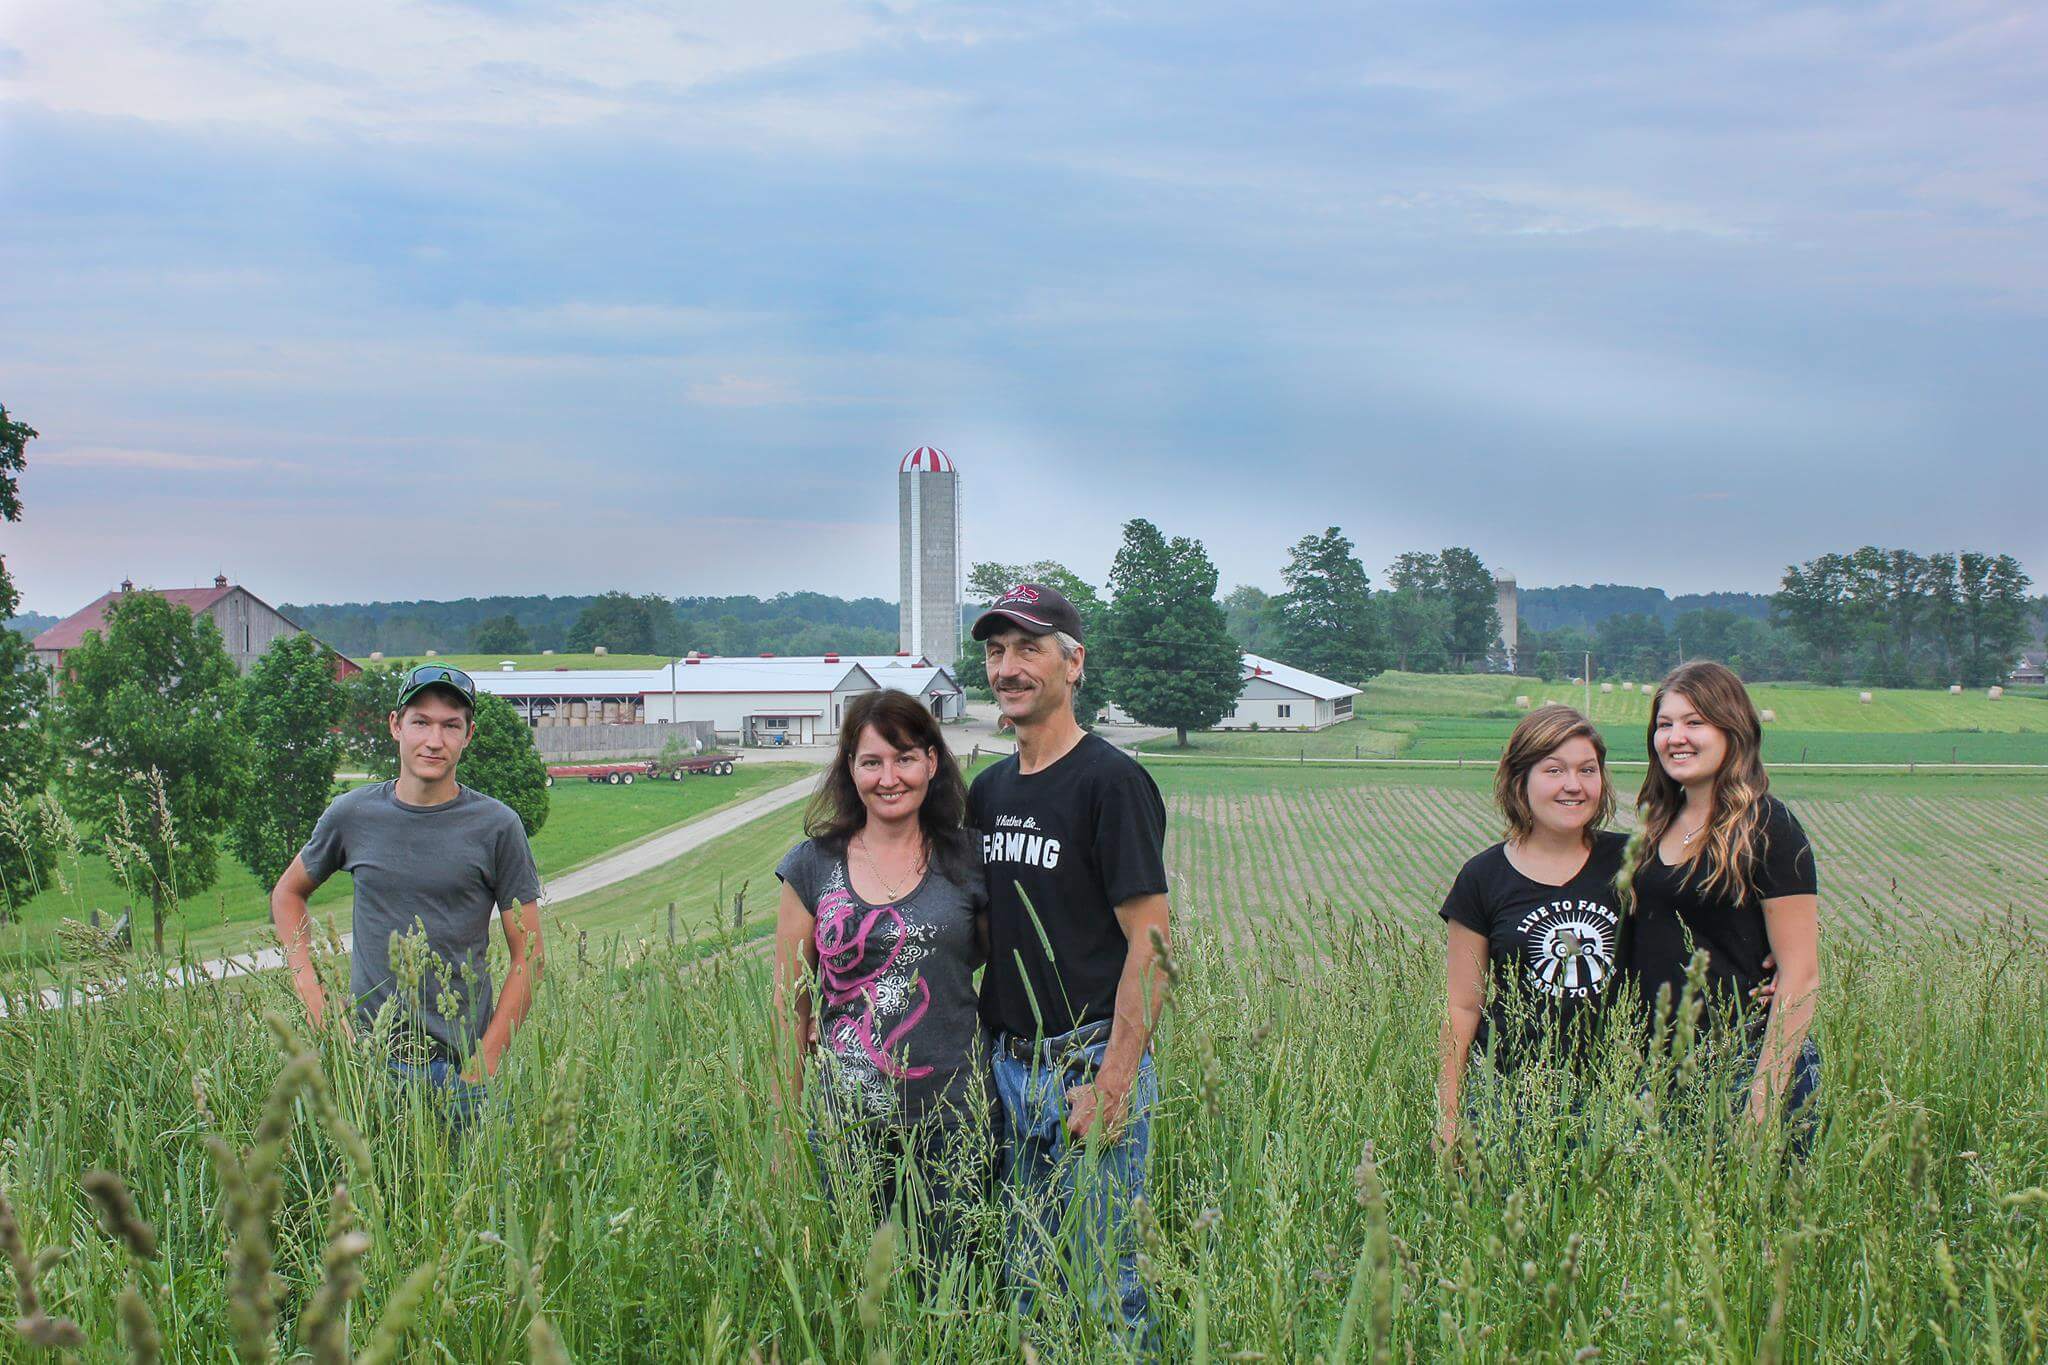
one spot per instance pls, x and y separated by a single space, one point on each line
1034 608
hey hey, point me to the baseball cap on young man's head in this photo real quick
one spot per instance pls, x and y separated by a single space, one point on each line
1033 608
454 680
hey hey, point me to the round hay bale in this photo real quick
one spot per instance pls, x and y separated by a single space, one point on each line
1955 689
1995 693
1521 703
433 654
376 656
1863 697
599 650
1768 714
548 653
1606 687
1548 702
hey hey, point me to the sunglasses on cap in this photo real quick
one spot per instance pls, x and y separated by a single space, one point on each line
437 675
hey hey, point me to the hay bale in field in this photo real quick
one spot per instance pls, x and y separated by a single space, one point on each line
547 653
1863 697
599 650
433 654
1548 702
376 656
1521 703
1768 714
1995 693
1628 687
1606 688
1955 689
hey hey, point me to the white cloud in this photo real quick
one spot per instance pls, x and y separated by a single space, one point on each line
158 461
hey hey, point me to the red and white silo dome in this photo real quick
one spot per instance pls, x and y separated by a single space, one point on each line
926 460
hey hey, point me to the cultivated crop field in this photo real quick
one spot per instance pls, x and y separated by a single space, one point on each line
630 1198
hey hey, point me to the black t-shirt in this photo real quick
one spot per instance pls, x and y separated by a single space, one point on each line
1672 917
1553 950
1076 840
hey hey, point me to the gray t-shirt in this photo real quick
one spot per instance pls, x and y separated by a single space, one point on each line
899 1032
446 868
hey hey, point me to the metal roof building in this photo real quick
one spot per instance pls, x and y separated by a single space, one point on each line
751 701
1278 696
248 625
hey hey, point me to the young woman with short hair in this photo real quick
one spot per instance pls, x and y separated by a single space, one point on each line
1723 866
1538 909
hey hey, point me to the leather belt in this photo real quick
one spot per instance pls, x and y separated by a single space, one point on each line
1060 1049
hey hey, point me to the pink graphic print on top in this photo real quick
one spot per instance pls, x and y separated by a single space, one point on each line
858 996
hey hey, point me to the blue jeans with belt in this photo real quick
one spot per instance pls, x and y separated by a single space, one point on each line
1070 1203
460 1101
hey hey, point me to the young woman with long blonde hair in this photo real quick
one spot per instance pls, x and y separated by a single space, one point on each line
1723 866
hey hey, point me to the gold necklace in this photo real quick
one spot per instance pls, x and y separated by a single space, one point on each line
875 868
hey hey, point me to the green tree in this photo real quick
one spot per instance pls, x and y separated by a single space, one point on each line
156 761
1174 661
25 852
367 699
1255 620
500 635
1811 602
290 710
1330 625
1418 622
1461 580
1994 615
988 581
623 624
502 762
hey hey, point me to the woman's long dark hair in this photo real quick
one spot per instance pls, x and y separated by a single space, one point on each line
836 814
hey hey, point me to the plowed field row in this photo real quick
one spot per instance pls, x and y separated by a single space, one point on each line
1925 862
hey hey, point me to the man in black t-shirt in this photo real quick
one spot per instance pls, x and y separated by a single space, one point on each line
1072 833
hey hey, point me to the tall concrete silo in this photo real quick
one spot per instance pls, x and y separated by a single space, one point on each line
928 516
1508 604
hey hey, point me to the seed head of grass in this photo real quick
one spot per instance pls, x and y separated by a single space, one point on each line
875 1275
118 1214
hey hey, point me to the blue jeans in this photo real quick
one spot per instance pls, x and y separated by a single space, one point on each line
1070 1206
1802 1091
461 1102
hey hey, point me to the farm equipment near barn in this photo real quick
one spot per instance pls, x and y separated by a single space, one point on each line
646 769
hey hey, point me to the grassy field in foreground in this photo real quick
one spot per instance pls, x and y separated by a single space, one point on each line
584 822
631 1201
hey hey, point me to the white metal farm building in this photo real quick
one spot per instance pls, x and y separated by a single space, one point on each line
1279 697
750 701
931 683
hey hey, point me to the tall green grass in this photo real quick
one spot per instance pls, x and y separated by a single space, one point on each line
626 1201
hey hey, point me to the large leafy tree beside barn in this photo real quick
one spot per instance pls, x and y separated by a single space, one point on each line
24 753
1174 663
1330 625
154 759
502 762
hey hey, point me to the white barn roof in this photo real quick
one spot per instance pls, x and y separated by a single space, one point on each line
706 675
1295 679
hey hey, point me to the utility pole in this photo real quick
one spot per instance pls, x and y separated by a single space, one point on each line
1587 675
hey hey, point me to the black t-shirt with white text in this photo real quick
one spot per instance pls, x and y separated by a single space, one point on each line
1672 916
1074 840
1552 950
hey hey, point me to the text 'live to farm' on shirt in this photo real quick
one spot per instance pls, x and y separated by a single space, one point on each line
1553 950
1063 847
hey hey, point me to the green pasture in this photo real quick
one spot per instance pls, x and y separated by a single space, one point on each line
1468 717
585 821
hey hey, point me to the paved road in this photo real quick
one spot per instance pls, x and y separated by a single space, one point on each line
592 876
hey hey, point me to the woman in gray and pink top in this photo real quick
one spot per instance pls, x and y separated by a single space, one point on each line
878 935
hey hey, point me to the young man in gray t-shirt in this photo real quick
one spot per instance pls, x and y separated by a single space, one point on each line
428 856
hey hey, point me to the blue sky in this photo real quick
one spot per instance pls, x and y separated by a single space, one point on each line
431 298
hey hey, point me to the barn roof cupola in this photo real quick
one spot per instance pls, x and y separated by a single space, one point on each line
220 580
127 585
